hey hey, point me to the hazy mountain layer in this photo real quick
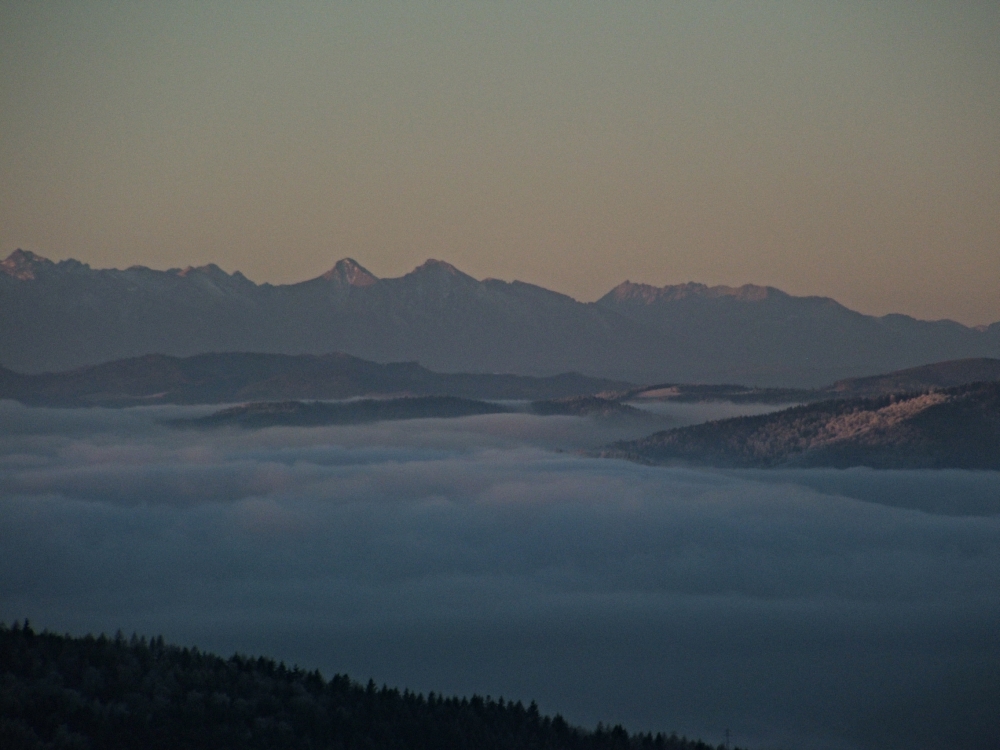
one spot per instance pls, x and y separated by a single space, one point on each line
229 378
950 428
63 315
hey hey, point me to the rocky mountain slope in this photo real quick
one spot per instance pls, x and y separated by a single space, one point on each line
63 315
949 428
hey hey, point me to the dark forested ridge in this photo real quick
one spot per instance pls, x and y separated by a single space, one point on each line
948 428
60 692
588 406
234 377
231 377
315 414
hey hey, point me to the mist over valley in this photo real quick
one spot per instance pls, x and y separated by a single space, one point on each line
482 554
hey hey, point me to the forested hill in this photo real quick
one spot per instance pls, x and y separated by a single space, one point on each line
951 428
59 692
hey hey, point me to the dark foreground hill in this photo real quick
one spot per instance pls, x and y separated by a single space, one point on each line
62 693
58 316
315 414
949 428
235 377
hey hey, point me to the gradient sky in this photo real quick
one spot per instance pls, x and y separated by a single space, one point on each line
836 148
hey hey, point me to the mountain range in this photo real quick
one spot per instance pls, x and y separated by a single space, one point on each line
58 316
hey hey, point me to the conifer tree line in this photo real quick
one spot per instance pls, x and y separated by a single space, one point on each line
59 692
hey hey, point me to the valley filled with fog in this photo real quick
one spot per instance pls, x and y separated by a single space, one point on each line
806 608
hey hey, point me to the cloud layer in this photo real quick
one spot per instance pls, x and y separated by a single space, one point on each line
814 609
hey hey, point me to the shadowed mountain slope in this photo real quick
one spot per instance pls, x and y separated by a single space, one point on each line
63 315
951 428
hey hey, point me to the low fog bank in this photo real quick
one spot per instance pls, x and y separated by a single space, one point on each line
810 609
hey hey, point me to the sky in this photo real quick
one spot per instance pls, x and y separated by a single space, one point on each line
844 149
845 609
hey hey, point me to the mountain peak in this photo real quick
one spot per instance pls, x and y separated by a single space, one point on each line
433 267
431 264
23 264
211 270
348 271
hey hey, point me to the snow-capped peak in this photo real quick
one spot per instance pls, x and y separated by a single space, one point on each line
22 264
349 271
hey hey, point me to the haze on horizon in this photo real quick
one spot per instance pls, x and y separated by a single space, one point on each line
834 149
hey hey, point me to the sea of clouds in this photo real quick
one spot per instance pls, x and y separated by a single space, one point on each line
813 608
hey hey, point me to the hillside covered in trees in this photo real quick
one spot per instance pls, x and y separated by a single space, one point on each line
60 693
951 428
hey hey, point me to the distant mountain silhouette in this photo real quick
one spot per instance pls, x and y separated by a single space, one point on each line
236 377
58 316
949 428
